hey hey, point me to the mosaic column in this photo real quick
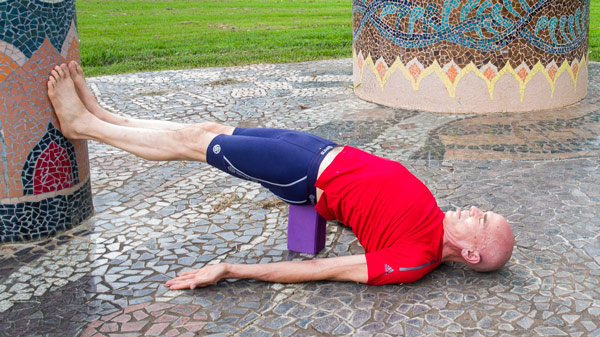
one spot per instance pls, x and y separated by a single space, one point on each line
471 55
44 177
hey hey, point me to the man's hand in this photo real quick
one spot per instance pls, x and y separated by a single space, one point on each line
343 268
202 277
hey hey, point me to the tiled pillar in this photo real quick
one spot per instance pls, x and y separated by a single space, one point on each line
44 177
471 55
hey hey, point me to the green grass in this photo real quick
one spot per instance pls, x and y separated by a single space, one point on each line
118 36
594 30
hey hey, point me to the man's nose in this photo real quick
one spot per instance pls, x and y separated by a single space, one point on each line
474 211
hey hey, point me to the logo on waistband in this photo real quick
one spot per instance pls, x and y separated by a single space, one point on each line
329 147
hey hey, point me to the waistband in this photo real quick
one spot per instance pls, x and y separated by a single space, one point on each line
313 171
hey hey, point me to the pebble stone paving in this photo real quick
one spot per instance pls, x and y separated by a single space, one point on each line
156 219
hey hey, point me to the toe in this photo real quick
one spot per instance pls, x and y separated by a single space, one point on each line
59 72
65 69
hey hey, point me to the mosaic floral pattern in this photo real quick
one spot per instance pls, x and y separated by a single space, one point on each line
43 175
51 165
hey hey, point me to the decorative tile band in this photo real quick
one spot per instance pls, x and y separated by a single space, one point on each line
451 74
33 220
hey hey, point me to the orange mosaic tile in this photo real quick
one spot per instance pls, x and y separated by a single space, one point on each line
7 66
415 71
575 68
452 73
381 69
552 72
523 74
489 73
73 53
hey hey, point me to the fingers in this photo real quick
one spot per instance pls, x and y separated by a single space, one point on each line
184 280
179 286
191 279
187 284
189 272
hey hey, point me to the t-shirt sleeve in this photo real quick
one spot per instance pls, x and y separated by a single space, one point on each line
399 264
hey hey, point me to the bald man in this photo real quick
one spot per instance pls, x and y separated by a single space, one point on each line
394 216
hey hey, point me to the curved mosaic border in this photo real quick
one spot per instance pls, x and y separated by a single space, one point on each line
494 25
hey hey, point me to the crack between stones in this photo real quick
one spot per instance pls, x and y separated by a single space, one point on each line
275 304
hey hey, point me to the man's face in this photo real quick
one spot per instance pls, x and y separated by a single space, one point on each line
468 226
487 233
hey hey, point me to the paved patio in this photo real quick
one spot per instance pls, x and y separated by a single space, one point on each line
155 219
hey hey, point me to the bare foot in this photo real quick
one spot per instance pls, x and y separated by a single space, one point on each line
71 112
87 98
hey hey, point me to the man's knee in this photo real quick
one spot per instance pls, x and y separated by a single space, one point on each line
192 142
217 128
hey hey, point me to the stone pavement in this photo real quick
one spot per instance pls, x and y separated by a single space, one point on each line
155 219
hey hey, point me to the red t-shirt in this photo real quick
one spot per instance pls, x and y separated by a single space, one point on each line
393 214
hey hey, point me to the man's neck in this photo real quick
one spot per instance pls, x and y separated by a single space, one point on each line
450 252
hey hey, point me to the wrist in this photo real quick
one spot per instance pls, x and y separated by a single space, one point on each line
227 270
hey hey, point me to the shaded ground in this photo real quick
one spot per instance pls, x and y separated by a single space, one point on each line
154 220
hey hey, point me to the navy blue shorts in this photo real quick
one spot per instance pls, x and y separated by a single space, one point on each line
286 162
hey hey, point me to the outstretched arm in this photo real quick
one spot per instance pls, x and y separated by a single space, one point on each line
343 268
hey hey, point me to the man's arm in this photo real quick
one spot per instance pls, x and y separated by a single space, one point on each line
343 268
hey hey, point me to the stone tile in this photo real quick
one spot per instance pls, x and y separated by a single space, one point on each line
154 220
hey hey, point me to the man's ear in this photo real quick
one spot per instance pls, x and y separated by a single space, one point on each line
470 256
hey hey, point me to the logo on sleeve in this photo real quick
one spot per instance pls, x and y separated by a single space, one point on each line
388 269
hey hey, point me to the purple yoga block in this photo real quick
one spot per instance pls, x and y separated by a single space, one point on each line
306 230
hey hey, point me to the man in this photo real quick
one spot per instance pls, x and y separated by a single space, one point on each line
393 214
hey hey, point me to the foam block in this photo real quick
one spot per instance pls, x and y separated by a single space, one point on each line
306 230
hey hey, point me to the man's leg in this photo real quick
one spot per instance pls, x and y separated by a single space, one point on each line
89 101
187 143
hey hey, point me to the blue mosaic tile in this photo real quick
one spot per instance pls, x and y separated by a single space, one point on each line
28 221
28 22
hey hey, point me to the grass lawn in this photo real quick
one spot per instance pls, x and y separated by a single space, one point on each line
118 36
595 30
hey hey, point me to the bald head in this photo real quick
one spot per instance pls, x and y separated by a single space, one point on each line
483 241
497 246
